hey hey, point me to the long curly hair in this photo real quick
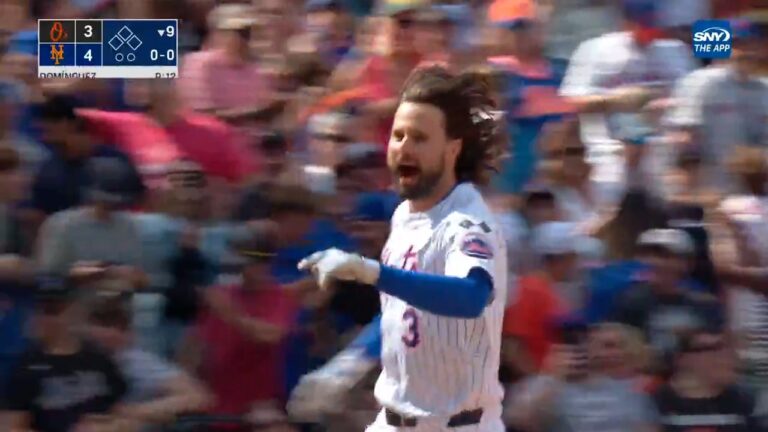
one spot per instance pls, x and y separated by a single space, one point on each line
470 115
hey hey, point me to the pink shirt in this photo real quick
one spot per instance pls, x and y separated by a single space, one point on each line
237 370
217 147
209 80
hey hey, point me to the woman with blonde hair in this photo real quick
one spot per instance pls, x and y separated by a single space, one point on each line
619 352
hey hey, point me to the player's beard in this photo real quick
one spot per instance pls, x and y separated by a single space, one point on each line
424 185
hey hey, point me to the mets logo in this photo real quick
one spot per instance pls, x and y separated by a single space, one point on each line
475 246
57 55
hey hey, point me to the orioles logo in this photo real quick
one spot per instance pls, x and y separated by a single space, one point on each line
57 32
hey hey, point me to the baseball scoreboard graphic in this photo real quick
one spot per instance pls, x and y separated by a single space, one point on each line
108 48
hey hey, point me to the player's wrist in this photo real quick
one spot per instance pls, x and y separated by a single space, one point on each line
370 271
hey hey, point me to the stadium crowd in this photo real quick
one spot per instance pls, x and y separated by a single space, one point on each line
150 229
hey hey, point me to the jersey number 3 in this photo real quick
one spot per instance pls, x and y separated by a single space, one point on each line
411 338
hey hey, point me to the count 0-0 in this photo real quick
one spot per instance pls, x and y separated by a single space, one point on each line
155 54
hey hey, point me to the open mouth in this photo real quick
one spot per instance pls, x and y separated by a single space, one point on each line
408 172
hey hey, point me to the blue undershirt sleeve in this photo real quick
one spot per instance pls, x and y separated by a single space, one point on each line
442 295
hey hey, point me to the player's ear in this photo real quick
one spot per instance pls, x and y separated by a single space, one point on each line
454 148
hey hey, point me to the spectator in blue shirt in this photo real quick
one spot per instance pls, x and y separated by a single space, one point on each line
15 268
60 183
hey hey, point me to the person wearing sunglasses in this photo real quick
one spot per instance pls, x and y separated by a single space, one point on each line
702 393
62 383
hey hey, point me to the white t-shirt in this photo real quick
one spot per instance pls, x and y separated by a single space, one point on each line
437 366
610 62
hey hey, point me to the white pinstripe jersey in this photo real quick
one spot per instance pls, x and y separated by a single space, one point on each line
436 366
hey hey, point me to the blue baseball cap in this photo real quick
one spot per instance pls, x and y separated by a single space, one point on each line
375 207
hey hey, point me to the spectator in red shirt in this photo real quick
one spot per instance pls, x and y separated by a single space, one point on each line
381 76
167 132
239 339
225 80
542 297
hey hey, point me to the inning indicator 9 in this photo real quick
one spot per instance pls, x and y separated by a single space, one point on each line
108 48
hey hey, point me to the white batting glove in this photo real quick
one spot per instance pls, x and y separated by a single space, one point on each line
333 264
323 392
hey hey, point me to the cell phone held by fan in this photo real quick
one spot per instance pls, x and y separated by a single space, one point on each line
573 337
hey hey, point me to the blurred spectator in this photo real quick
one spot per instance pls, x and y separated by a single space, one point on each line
329 25
741 261
62 383
619 352
278 167
328 135
382 75
723 106
185 249
167 131
437 35
702 392
62 178
369 227
98 240
362 168
574 21
542 296
660 304
622 72
637 212
15 267
243 330
223 79
32 153
530 85
304 229
580 198
538 205
575 398
685 182
158 390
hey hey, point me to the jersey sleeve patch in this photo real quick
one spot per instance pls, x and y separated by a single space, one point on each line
475 246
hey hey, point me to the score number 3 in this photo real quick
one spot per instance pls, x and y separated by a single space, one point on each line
411 338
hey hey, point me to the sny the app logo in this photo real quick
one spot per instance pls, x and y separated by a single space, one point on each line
57 55
712 39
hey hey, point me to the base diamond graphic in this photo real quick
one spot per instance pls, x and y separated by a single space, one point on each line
134 42
125 33
115 43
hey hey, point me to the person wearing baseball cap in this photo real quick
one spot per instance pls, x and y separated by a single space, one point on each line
661 303
244 327
99 239
544 294
382 74
62 367
531 82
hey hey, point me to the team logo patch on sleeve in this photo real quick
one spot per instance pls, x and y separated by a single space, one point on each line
475 246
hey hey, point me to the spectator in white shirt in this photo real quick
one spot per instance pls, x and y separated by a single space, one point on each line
622 72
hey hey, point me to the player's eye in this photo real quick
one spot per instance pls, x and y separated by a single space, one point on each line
398 135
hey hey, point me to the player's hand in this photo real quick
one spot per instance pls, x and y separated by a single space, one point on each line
323 392
333 264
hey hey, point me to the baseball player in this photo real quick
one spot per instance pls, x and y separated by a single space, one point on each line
442 274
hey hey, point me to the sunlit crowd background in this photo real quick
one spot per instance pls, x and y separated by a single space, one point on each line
150 229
